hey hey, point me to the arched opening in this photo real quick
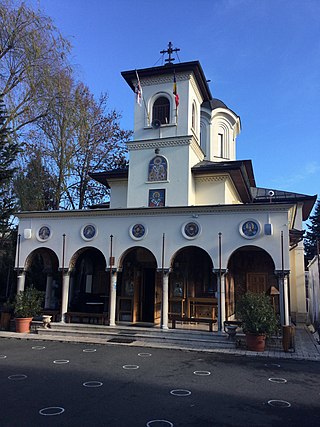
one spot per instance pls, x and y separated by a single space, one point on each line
89 282
161 110
249 269
139 288
192 284
43 274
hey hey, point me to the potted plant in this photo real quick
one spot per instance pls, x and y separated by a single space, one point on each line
258 319
7 310
28 304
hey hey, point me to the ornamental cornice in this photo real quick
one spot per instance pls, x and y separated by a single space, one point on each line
166 211
159 143
212 178
151 81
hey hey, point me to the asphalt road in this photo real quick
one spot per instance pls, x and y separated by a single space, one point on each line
66 384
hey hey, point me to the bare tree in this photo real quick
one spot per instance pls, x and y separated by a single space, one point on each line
32 52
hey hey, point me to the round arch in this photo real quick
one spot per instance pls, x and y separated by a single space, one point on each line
250 268
192 283
39 265
139 287
89 285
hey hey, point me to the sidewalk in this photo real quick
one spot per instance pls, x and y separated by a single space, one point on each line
306 346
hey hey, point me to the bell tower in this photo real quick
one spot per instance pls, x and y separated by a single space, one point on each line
166 132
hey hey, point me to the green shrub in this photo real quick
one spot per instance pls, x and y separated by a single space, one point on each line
28 303
257 314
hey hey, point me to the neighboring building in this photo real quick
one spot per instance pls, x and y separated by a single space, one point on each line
313 290
187 230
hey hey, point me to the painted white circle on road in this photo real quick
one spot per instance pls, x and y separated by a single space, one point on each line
2 356
159 423
92 384
17 377
272 365
51 410
279 403
61 362
89 350
202 373
144 354
38 347
277 380
180 392
130 367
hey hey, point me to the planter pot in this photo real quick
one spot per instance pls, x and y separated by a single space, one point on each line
5 321
23 324
255 342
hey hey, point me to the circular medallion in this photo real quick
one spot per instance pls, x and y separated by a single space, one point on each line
88 232
249 228
137 231
191 230
44 233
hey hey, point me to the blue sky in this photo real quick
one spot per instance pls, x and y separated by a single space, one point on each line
262 57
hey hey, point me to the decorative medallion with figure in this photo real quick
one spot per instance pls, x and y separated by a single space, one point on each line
137 231
191 230
44 233
88 232
249 228
158 169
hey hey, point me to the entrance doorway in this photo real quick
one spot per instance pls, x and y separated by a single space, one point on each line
136 294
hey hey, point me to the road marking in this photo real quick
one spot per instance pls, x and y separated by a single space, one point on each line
278 380
130 367
202 373
279 403
89 350
61 362
17 377
159 423
51 410
180 392
92 384
144 354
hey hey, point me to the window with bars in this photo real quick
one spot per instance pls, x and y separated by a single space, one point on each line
161 110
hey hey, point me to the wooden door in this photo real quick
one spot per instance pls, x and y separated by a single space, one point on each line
257 282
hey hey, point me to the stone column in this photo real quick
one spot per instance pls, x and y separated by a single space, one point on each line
113 298
165 299
221 286
47 303
284 296
21 280
65 294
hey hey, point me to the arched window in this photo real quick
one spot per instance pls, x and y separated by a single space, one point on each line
158 169
161 110
193 117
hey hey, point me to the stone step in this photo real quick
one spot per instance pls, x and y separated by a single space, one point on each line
131 333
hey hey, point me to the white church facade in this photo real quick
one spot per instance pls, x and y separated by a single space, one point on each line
187 231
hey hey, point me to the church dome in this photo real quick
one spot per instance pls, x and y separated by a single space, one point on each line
214 103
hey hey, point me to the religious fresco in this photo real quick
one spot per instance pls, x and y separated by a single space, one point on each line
158 169
156 198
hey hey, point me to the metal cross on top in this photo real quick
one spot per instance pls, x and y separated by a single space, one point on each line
169 51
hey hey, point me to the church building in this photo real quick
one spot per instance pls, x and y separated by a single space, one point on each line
187 230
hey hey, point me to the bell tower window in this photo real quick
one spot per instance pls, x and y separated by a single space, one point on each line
161 110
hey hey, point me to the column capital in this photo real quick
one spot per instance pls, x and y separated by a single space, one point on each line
20 270
64 270
165 271
218 270
280 272
113 270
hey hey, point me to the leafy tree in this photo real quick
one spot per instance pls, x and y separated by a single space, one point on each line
8 153
313 234
35 187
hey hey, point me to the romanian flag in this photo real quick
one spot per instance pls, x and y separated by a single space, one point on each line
175 92
138 90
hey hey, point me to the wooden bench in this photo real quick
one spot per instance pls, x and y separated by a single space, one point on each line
176 318
99 318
